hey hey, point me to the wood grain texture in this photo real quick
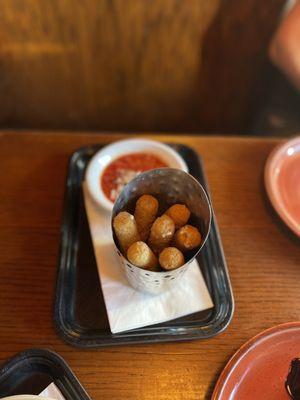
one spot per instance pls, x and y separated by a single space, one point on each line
164 65
262 255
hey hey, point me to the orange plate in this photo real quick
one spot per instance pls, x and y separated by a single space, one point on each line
282 180
258 370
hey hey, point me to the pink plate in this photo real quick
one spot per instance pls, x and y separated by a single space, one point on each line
259 369
282 180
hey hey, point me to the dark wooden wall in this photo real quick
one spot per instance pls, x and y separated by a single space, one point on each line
177 65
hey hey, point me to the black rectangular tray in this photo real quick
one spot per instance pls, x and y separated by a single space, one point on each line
80 315
31 371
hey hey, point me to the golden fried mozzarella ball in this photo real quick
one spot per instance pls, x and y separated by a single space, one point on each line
140 254
145 213
161 233
126 230
187 238
180 214
171 258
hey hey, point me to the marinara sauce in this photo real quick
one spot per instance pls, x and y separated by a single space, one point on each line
122 170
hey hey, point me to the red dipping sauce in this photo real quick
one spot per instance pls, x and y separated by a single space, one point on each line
122 170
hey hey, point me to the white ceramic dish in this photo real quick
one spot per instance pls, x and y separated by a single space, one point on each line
282 180
111 152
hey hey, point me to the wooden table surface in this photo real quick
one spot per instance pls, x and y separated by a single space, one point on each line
263 259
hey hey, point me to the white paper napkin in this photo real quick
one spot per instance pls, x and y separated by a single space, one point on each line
52 392
127 308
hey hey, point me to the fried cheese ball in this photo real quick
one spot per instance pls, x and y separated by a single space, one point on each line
140 254
180 214
161 233
171 258
145 213
126 230
187 238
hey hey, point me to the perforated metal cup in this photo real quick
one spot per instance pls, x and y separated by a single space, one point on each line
169 186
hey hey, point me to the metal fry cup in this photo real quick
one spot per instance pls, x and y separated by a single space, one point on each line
169 186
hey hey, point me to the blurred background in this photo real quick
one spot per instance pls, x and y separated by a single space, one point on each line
198 66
